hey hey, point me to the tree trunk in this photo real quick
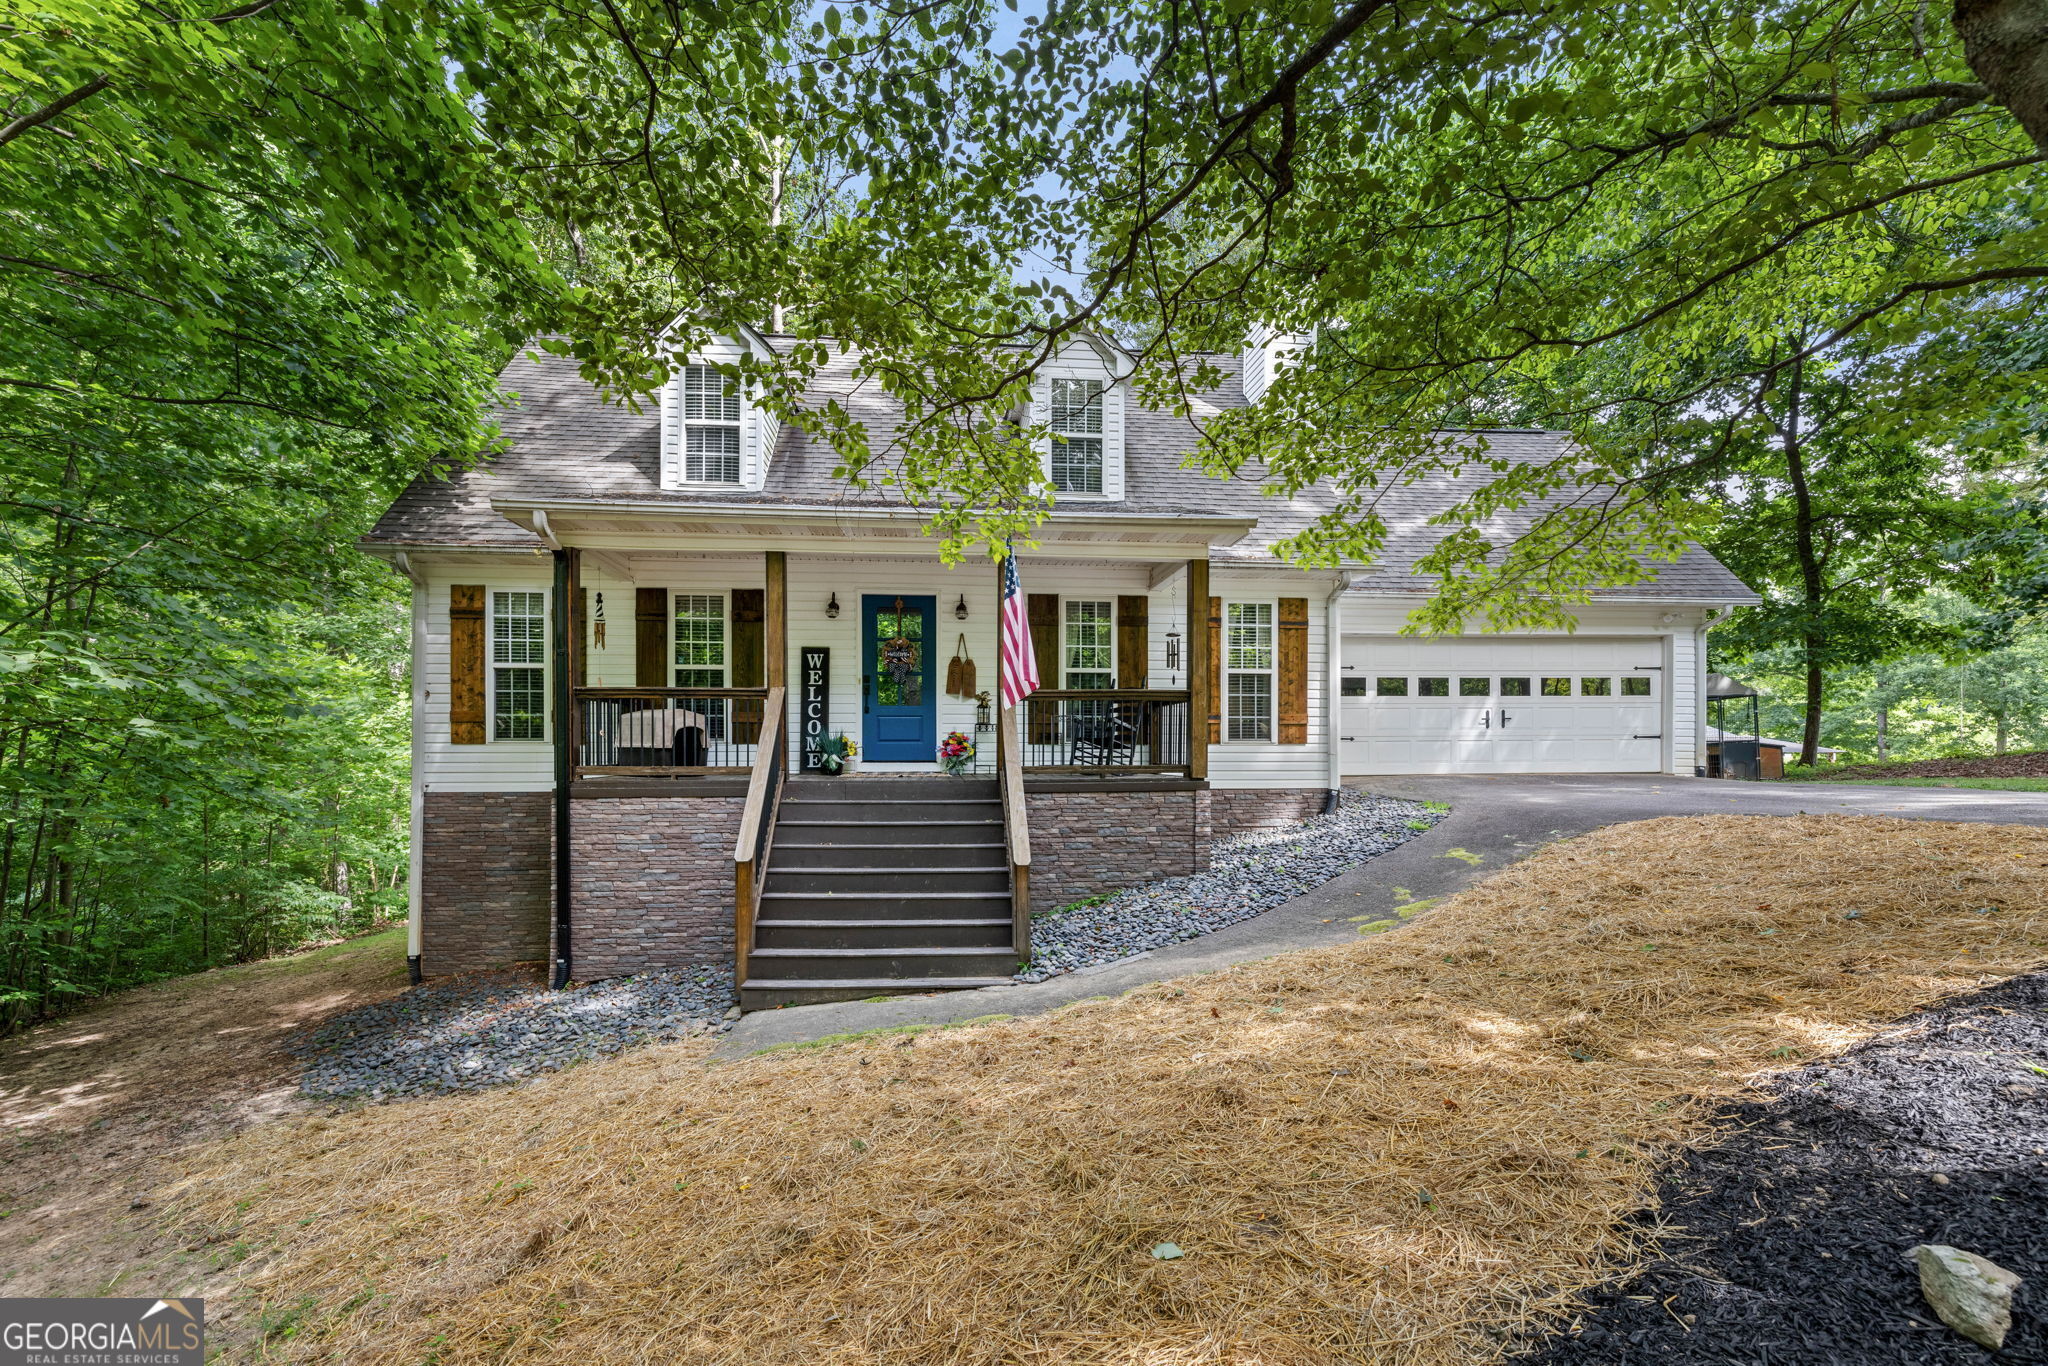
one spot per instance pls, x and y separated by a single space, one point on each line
2006 44
1812 581
1884 745
2004 729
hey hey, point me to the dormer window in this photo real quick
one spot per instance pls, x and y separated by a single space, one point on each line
711 427
1076 421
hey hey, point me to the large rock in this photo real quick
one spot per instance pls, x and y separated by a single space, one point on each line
1971 1295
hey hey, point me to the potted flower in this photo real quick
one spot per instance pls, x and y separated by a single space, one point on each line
836 755
956 754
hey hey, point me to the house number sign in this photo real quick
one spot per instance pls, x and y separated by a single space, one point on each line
813 716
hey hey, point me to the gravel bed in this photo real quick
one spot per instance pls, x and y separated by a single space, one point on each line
1248 873
1788 1236
486 1029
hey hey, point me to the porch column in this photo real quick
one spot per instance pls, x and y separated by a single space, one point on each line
775 631
567 656
1199 681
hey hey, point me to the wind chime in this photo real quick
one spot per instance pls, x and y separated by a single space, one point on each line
900 656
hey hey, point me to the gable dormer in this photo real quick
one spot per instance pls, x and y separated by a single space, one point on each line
714 433
1266 350
1081 398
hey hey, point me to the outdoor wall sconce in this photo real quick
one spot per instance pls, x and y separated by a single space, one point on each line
960 608
1172 651
832 607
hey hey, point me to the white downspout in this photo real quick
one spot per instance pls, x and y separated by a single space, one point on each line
1333 678
414 881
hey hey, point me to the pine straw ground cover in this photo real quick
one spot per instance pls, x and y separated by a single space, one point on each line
1416 1148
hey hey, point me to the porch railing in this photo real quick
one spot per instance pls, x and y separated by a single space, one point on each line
757 832
669 730
1106 730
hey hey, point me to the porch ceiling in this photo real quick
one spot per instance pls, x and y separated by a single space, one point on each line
655 527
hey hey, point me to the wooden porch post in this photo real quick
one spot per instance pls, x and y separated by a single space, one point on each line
775 629
1200 683
567 652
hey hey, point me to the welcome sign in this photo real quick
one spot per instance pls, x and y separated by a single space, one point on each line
814 715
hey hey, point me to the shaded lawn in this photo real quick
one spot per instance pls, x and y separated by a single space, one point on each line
1410 1149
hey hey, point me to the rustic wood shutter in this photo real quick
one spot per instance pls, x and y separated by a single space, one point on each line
650 638
466 664
1215 698
1042 612
749 658
1292 680
1133 640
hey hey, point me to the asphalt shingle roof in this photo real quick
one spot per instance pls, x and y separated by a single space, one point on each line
566 442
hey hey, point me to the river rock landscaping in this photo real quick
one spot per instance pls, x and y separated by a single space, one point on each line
1789 1241
1248 873
486 1029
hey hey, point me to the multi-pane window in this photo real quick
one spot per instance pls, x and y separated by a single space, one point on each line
1248 670
711 427
519 673
700 640
1089 650
1076 422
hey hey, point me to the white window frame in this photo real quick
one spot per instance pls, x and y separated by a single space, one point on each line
1270 672
731 400
1060 436
1109 672
492 667
676 598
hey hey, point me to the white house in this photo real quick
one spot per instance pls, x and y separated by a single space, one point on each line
631 632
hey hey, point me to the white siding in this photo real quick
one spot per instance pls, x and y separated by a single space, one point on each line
1081 362
759 428
495 765
1688 703
1265 352
613 665
1262 763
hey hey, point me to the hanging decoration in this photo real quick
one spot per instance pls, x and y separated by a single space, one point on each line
902 658
960 671
597 624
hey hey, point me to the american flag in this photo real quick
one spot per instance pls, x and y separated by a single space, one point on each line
1020 664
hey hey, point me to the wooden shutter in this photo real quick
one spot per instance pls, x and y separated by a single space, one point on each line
466 664
650 638
1291 682
1133 641
748 661
1215 698
1042 611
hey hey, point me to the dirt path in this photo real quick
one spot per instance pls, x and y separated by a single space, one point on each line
95 1107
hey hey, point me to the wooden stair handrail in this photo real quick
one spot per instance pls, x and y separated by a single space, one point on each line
1016 829
757 828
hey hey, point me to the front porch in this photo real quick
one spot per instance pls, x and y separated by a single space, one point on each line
697 689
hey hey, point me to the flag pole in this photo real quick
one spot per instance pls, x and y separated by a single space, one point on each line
1002 707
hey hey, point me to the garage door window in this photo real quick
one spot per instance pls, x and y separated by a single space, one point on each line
1248 662
1355 687
1393 687
1596 687
1635 687
1514 687
1475 687
1557 687
1432 687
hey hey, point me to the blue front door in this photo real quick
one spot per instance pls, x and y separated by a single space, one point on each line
899 707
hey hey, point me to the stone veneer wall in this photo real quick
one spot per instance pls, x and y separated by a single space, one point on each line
486 863
1086 843
1232 809
651 883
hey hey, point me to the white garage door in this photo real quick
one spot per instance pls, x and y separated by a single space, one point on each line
1502 705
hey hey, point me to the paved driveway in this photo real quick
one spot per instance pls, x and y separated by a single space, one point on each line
1493 822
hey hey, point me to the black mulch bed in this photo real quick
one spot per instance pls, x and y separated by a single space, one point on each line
1791 1233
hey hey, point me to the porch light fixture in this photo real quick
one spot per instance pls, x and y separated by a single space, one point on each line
832 606
1172 651
960 608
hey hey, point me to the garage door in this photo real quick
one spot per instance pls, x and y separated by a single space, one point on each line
1496 705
